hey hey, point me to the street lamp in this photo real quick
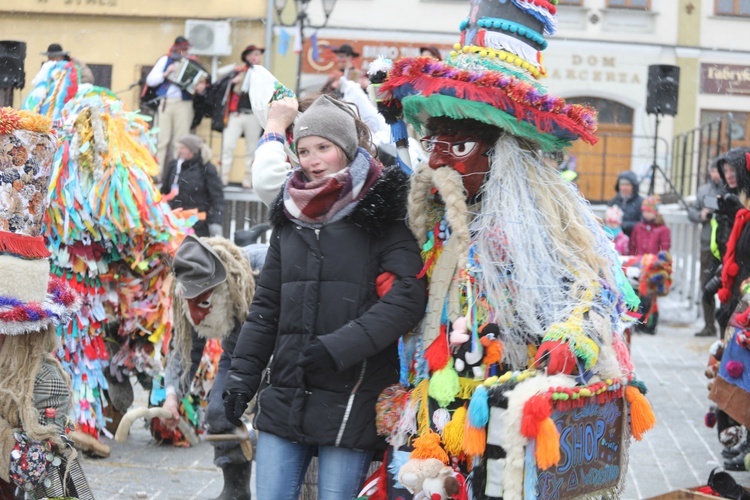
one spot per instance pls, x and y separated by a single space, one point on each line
303 20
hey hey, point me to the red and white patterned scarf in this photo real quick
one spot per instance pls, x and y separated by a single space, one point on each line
322 201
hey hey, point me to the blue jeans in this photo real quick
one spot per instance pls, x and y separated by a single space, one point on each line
281 465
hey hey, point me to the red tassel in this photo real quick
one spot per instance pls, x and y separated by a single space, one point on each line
24 246
536 409
438 353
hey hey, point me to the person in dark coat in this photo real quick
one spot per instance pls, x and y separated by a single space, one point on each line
337 290
192 181
700 213
628 200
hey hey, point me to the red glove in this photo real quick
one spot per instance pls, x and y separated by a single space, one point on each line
559 357
384 282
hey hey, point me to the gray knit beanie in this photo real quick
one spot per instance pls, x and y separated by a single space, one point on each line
192 142
332 120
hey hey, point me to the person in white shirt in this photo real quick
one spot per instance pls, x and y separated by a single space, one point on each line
175 111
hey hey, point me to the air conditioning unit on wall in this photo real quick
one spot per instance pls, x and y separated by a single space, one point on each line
208 38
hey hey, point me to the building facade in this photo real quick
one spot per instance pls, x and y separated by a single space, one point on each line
600 55
121 39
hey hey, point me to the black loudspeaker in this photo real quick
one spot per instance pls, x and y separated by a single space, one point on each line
663 87
12 56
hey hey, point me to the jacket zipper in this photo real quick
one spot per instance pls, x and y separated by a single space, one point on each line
317 234
268 380
350 403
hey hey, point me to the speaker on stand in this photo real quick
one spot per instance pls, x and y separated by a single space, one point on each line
661 99
12 74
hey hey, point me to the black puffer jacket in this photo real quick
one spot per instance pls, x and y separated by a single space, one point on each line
631 207
199 187
321 283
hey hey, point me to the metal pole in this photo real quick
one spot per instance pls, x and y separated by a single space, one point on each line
270 8
652 185
301 21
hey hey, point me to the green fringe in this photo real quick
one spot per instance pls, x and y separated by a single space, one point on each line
640 385
418 108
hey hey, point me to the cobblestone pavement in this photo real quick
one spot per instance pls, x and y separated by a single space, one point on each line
680 452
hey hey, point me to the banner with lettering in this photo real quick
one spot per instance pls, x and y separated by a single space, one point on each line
591 451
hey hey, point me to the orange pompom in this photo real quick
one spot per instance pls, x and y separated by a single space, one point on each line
641 415
428 446
493 351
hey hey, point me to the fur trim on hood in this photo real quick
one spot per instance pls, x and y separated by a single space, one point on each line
384 204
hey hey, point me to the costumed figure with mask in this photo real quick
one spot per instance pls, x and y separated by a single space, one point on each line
213 288
36 457
527 301
112 238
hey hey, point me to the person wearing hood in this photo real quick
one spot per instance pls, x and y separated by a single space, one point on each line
628 200
192 181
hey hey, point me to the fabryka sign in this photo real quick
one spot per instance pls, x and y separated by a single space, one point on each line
725 79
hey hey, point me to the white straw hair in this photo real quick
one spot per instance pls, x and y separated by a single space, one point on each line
537 244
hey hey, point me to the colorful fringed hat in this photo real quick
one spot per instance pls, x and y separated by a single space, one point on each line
30 299
492 77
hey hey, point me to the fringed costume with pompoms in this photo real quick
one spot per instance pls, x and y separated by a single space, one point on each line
527 301
37 459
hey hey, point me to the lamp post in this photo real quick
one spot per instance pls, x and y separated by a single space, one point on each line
302 20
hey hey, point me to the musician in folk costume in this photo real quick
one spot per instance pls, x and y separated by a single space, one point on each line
239 117
175 110
36 457
213 288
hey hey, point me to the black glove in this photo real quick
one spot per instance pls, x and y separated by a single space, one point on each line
235 404
729 204
315 358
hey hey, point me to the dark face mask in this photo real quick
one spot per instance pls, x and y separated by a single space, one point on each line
467 156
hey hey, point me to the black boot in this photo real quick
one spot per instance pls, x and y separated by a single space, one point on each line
736 464
741 448
236 482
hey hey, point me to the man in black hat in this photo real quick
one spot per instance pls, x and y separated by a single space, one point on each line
239 117
345 56
56 53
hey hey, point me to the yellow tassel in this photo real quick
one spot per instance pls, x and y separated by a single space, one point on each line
428 446
547 444
475 440
641 415
453 433
420 397
467 387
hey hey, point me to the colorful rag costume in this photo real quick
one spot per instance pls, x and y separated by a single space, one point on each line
521 275
110 237
36 457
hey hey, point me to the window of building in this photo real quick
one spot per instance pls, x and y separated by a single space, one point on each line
736 129
102 74
629 4
732 7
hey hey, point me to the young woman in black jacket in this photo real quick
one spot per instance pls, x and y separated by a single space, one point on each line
338 230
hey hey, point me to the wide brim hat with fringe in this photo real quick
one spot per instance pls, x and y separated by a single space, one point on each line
30 298
492 77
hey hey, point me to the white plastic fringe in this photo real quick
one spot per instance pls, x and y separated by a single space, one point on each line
537 250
